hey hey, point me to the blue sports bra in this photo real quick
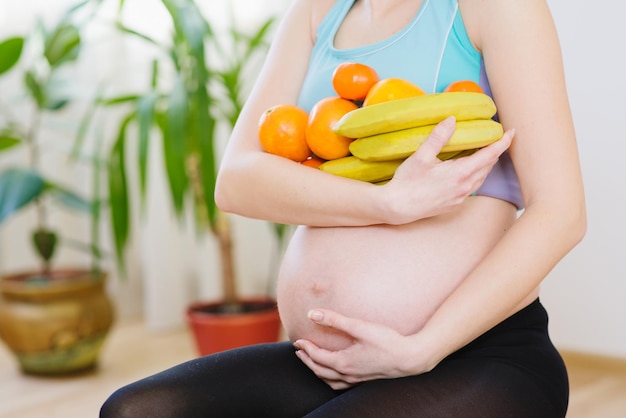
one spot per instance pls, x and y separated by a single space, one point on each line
432 51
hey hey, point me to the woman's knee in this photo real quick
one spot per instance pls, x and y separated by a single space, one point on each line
140 400
117 406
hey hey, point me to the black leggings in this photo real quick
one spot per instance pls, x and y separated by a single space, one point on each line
513 370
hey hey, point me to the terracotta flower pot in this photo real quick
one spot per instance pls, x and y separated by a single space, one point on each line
214 330
55 325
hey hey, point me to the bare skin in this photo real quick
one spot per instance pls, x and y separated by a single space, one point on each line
386 281
393 275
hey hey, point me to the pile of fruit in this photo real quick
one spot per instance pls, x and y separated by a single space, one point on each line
373 124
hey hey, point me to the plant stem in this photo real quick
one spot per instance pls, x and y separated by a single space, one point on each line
34 157
6 110
224 236
193 172
95 209
33 153
221 230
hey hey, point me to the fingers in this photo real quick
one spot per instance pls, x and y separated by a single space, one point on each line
501 145
332 377
438 137
475 168
320 370
334 320
316 359
488 156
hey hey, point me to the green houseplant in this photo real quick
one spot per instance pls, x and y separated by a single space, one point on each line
53 319
210 74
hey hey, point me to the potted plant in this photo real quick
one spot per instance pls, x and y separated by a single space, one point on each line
207 93
54 319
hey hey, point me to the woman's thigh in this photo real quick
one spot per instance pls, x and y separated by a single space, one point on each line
468 389
265 380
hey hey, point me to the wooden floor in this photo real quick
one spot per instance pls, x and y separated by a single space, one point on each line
598 387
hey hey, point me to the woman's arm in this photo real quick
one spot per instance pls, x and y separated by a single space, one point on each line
524 64
259 185
523 59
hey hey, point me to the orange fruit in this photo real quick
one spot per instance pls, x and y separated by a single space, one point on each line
352 80
391 89
282 130
319 134
313 161
463 85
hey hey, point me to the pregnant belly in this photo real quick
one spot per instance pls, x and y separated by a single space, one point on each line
395 275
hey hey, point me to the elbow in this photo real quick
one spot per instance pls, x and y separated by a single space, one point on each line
578 219
575 223
564 218
223 195
579 223
234 186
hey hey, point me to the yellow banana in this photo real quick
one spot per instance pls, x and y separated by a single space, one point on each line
400 144
448 155
415 111
354 168
378 172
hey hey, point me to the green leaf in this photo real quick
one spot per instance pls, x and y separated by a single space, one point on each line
118 192
155 74
133 32
45 243
175 143
204 131
62 45
79 5
279 230
49 94
68 198
18 187
231 81
8 142
189 24
112 101
36 89
10 52
260 37
90 248
145 114
54 105
57 92
85 123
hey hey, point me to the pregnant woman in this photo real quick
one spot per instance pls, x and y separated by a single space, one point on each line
418 298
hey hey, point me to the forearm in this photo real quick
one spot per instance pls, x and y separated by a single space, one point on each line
500 283
264 186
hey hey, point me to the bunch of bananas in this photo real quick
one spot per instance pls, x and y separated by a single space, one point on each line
385 134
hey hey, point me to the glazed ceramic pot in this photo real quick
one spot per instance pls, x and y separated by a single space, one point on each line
55 324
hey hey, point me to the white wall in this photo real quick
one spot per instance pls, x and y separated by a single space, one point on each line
585 294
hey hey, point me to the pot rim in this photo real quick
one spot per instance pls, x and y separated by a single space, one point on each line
28 285
195 313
